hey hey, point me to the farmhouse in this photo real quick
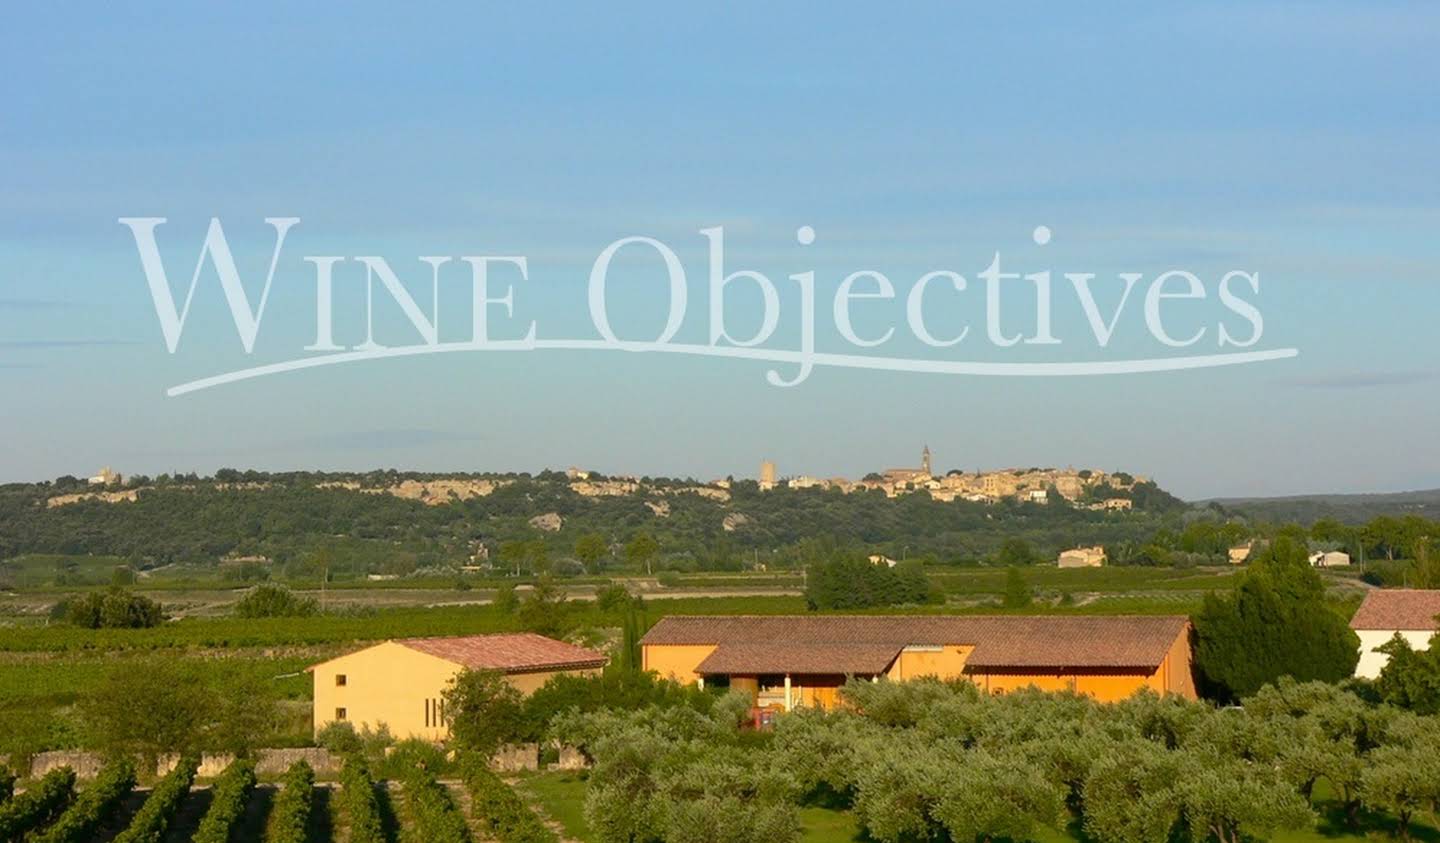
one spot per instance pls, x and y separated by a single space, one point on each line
1329 558
1408 612
401 683
785 662
1082 557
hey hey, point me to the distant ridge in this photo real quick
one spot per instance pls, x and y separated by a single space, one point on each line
1349 508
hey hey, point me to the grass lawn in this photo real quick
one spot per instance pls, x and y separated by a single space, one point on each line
561 795
822 825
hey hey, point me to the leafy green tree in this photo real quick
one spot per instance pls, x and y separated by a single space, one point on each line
1015 552
1403 780
1274 623
514 554
1131 794
1228 800
909 585
613 598
849 582
1411 679
590 548
990 797
505 600
640 552
484 711
1018 594
545 610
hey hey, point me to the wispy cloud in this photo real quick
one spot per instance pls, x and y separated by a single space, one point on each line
1359 380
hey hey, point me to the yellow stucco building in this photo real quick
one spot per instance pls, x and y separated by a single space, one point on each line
790 661
400 684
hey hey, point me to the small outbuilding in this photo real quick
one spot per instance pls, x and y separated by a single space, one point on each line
401 684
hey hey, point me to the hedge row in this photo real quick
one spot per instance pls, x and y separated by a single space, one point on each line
290 816
499 809
228 797
433 816
39 805
360 802
93 806
153 818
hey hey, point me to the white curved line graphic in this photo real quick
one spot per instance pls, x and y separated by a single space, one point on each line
847 361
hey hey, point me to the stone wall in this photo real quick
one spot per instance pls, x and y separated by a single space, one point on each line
510 759
513 759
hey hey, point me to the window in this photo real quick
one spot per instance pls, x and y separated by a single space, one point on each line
434 713
339 680
340 714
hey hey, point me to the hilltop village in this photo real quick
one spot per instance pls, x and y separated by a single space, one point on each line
1085 487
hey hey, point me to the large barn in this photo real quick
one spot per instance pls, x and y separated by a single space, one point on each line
790 661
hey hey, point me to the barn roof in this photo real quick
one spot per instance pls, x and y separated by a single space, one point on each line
868 644
1397 608
521 652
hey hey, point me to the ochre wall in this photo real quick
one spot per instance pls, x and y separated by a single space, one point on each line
389 684
948 663
675 661
1173 676
385 684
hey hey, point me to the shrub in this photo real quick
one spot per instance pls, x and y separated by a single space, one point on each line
114 608
290 816
93 806
227 801
153 818
433 816
499 809
484 711
7 784
37 806
269 600
360 802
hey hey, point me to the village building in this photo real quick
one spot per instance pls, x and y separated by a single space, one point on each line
106 477
1387 612
1329 559
1240 553
1082 557
400 684
784 662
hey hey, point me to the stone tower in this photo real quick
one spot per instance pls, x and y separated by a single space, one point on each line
767 475
925 462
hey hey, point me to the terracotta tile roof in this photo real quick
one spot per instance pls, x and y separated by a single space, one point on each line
1001 642
856 659
511 653
1397 608
1076 641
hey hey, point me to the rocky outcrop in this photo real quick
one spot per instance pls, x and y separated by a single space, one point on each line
550 522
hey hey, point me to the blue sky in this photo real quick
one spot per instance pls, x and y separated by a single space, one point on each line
1294 140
